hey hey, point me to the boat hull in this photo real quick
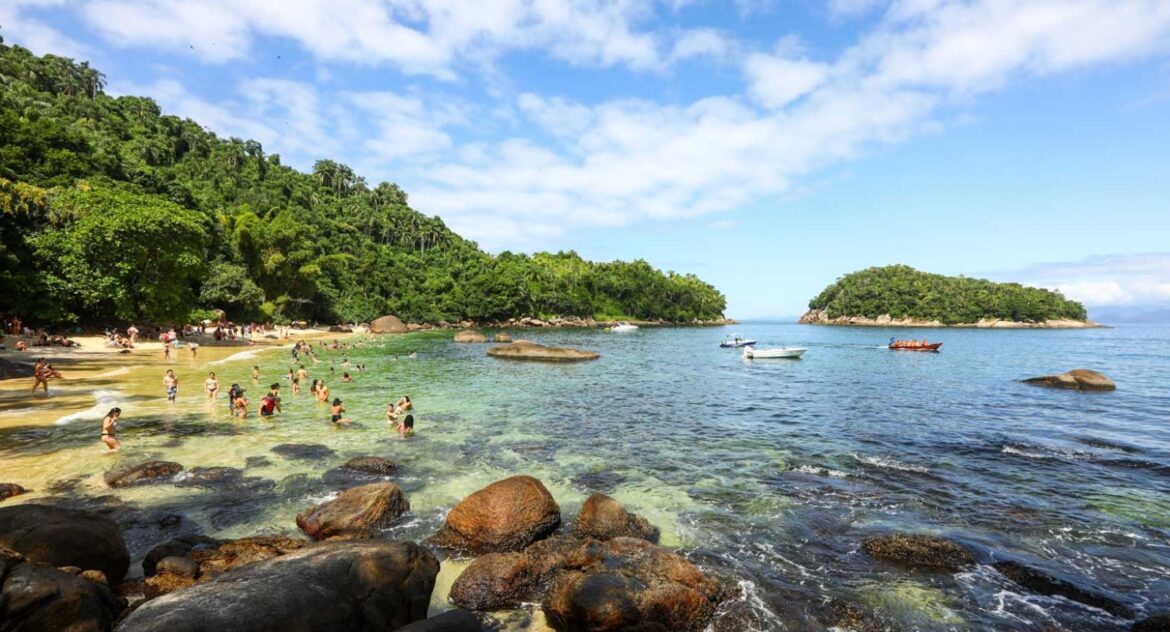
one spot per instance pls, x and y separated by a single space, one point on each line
775 354
929 347
741 343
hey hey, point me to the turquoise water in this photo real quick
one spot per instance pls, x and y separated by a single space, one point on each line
768 473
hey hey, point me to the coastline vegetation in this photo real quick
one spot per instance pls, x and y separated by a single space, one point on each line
111 210
903 292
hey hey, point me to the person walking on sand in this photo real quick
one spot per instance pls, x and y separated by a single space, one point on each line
172 384
110 429
211 385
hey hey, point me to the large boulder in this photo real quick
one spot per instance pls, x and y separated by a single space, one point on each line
604 518
1043 583
497 581
507 515
65 537
470 336
387 325
188 560
10 369
358 512
1081 379
527 350
41 597
366 585
8 490
627 583
917 550
142 474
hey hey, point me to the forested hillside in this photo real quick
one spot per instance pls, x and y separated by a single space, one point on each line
903 292
111 210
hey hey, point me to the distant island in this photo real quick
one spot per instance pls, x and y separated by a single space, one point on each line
113 211
900 296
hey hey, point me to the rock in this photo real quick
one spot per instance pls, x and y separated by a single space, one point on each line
95 576
341 329
221 477
180 566
919 551
257 461
604 518
413 327
470 336
65 537
356 513
40 597
216 561
1042 583
387 325
10 369
142 474
502 337
8 490
305 451
165 583
527 350
627 583
507 515
1082 379
372 465
1156 623
497 581
179 547
450 621
361 585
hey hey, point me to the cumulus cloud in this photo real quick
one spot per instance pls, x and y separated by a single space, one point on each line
1106 280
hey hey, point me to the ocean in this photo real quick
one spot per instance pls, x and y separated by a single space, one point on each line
767 473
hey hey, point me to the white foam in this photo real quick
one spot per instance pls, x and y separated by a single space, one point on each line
105 400
822 471
122 371
1007 449
889 463
243 355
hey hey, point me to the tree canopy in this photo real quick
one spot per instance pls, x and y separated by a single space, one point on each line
112 210
903 292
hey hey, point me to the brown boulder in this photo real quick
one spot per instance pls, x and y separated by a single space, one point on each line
371 465
142 474
65 537
604 518
388 325
1081 379
505 580
470 336
502 337
165 583
919 551
40 597
235 553
357 512
527 350
507 515
8 490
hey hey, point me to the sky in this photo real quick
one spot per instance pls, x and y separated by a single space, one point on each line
768 146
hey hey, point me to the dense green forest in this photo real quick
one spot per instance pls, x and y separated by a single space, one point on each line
903 292
112 211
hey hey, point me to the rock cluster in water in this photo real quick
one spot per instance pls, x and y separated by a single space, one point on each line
528 350
470 336
1081 379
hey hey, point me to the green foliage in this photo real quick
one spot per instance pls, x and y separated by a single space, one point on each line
903 292
112 210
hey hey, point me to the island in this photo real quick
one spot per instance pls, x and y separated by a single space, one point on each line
901 296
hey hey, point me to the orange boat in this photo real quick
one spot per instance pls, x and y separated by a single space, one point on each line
914 345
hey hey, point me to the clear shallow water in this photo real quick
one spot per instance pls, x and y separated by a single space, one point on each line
768 472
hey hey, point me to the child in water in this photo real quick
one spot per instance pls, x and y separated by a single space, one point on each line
255 373
172 384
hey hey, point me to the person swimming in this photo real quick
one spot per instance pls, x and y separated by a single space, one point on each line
338 412
345 377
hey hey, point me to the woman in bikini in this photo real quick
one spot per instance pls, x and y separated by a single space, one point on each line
211 385
338 410
110 428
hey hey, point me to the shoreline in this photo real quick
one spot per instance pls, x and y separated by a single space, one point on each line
818 317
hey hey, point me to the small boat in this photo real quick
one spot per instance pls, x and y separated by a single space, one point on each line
624 326
782 352
914 345
736 341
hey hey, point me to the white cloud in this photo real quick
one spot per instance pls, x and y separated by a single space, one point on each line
1107 280
701 43
777 81
20 28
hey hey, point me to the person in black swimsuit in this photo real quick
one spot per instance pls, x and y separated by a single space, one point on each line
338 410
110 428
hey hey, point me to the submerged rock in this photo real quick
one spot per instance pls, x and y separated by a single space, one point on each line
365 585
372 465
40 597
527 350
142 474
507 515
65 537
306 451
1082 379
257 461
1042 583
8 490
919 551
604 518
387 325
1155 623
356 513
470 336
220 478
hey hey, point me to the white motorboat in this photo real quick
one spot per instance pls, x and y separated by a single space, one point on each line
624 326
783 352
736 341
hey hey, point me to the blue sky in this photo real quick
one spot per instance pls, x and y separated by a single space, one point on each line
768 146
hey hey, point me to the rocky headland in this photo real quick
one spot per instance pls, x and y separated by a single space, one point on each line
821 317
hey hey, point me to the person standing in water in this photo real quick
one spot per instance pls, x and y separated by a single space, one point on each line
40 376
240 403
407 426
211 385
270 404
338 411
322 391
172 384
110 429
256 373
132 333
